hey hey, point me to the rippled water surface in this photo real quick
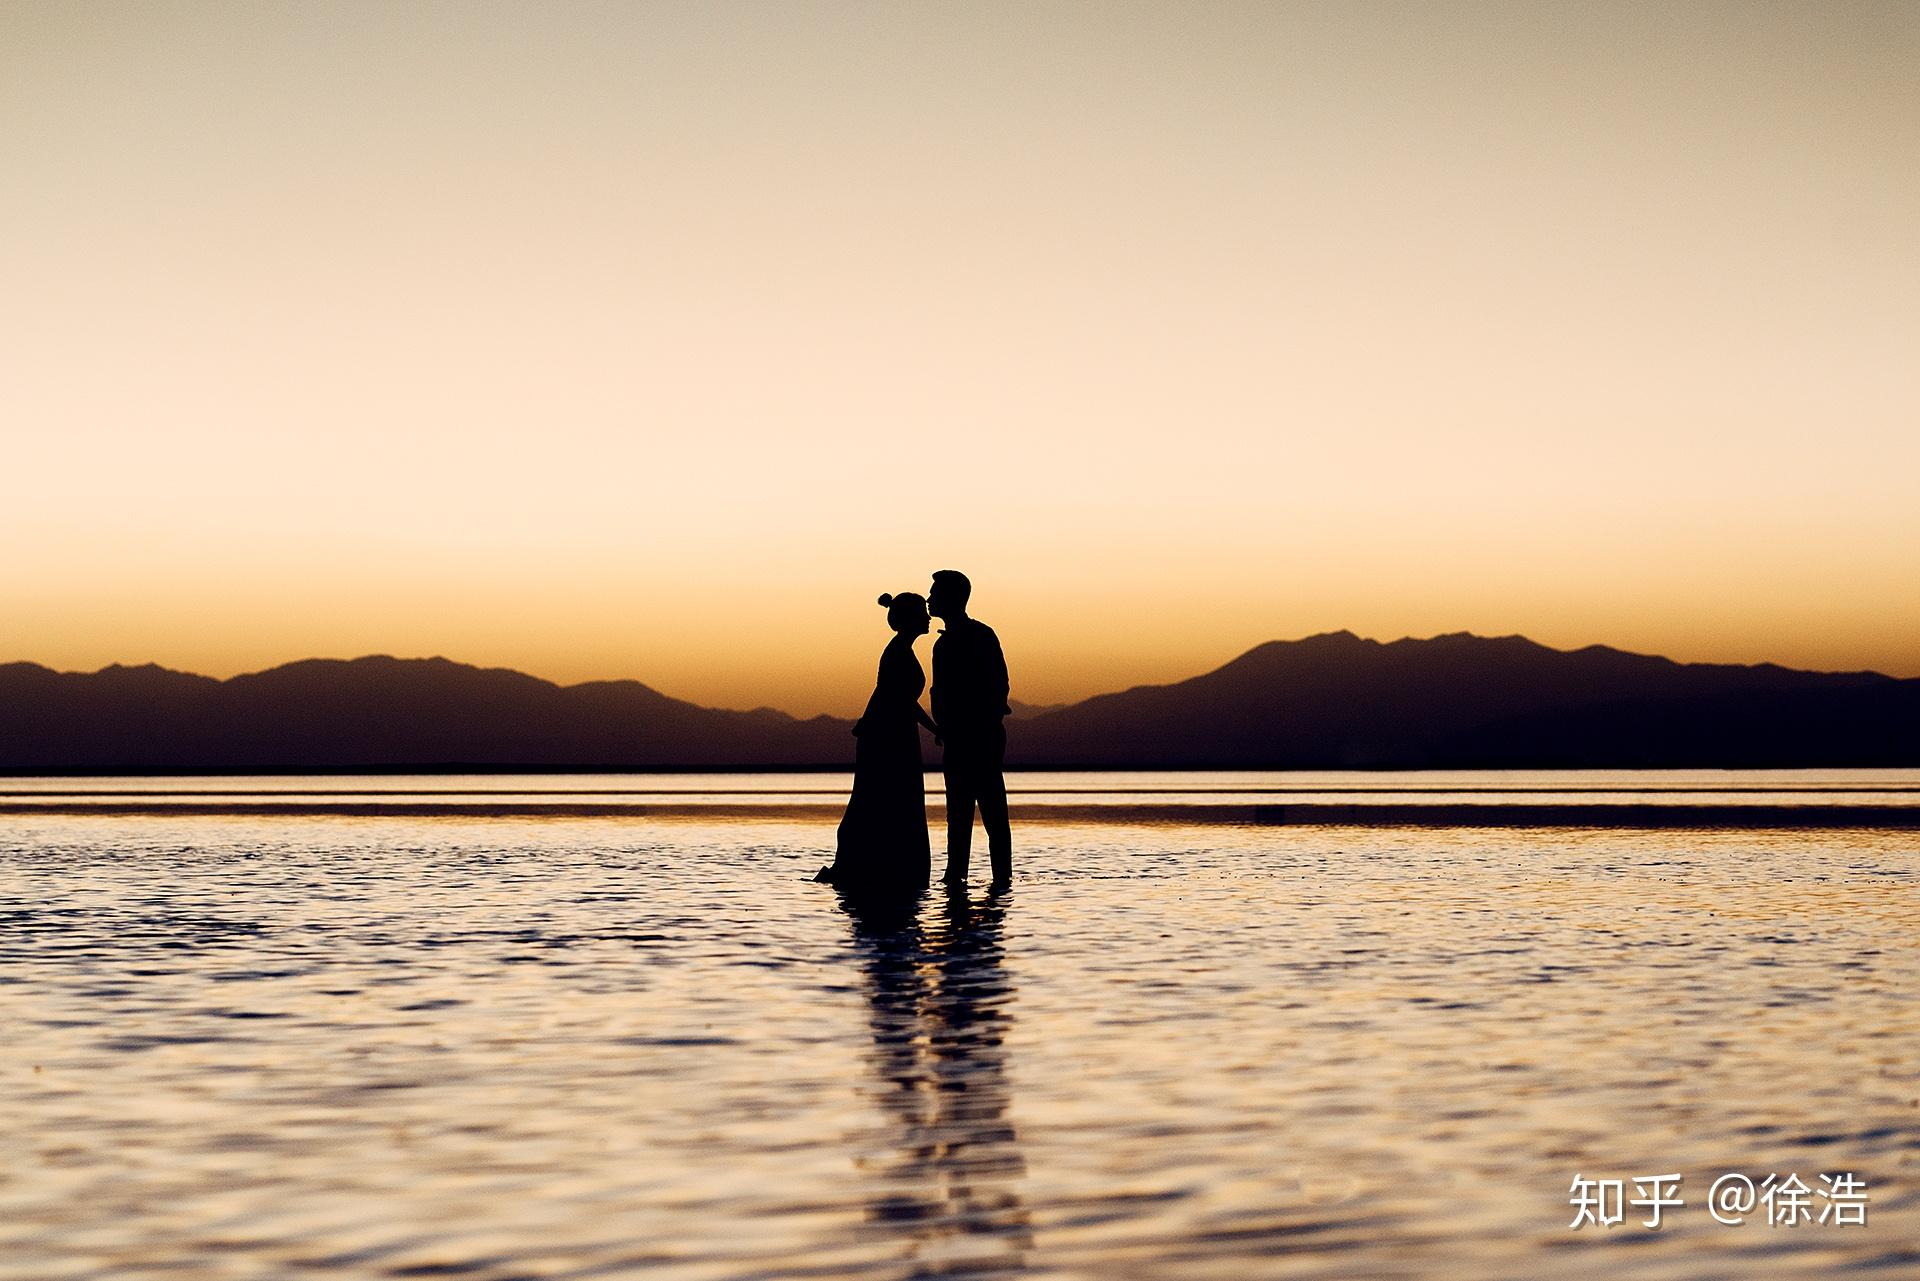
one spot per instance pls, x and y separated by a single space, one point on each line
543 1048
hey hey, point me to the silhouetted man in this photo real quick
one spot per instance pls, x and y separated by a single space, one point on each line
969 700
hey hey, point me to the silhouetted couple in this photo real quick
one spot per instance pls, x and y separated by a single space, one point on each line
883 848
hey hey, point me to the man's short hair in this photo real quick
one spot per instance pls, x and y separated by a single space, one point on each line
954 582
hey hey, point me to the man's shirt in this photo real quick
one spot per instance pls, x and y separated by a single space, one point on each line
969 677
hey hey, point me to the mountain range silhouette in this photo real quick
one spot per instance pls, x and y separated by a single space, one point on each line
1330 701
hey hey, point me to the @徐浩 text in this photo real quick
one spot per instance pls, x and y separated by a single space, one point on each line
1838 1200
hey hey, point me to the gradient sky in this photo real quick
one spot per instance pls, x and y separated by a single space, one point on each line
656 340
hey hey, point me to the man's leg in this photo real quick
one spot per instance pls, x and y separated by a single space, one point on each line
991 788
993 816
960 799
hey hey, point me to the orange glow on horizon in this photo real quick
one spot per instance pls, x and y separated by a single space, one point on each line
654 343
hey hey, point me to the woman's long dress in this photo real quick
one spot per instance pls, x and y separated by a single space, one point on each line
883 846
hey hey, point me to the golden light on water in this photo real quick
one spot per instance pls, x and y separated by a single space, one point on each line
389 1046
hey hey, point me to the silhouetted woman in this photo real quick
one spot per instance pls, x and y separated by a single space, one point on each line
883 848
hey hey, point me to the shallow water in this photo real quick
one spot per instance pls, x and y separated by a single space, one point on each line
383 1048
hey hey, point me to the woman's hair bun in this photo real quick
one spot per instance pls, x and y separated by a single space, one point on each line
886 600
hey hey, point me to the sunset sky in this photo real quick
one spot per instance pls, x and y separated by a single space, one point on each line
656 340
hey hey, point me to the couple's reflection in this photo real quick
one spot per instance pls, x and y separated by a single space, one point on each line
948 1165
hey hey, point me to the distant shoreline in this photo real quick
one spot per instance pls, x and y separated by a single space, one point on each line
1334 701
1570 815
932 770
